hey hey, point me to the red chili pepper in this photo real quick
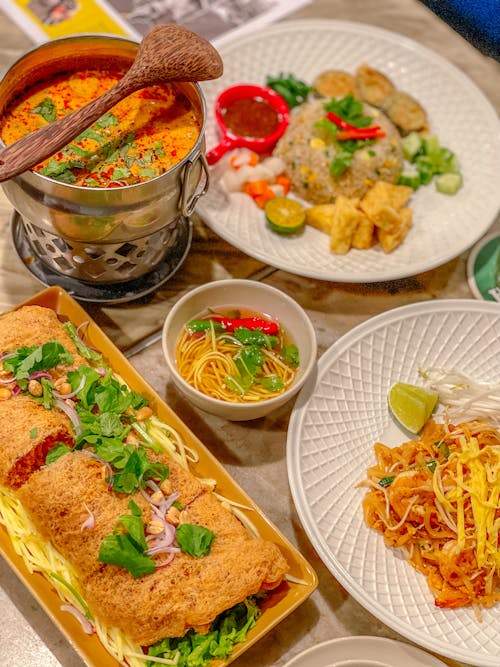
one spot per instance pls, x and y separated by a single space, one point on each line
232 323
363 133
340 122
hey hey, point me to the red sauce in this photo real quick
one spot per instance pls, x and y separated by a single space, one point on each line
250 117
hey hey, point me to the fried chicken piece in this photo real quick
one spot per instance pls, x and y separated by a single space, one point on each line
405 112
334 83
372 86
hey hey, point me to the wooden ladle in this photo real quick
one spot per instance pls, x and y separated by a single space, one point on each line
167 53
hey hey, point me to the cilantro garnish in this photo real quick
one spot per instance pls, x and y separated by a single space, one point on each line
83 350
290 355
127 545
350 109
194 540
120 172
107 120
28 359
46 109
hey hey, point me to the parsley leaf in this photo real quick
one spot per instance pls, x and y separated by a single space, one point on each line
194 540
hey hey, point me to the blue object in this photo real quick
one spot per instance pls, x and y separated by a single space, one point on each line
476 20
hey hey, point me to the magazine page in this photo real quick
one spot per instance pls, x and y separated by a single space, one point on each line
216 20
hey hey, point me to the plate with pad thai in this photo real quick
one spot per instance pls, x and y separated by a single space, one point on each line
394 464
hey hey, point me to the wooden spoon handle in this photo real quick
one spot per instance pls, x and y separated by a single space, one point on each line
35 147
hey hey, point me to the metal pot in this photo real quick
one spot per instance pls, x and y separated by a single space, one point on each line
101 235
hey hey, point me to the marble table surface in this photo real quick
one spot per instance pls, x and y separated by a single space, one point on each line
253 453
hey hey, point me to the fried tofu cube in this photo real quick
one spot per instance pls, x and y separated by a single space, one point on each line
385 194
388 219
321 217
346 218
364 234
390 240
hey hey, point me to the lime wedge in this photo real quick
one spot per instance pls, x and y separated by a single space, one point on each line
411 405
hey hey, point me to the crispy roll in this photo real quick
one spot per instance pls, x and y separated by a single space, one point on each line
27 432
34 325
187 593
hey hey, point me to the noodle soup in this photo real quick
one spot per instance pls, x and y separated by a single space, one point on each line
236 355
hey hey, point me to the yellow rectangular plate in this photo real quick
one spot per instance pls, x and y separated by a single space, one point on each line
90 648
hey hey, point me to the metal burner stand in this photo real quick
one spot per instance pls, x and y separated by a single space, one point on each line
32 254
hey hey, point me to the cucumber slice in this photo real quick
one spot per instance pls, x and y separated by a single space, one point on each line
411 145
285 216
410 178
448 183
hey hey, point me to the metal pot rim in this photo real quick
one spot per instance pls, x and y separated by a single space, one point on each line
32 176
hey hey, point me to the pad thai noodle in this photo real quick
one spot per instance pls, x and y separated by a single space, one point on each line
438 498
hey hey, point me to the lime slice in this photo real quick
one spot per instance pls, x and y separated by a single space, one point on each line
411 405
285 216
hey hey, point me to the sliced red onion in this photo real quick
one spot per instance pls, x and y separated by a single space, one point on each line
16 389
89 522
70 412
165 562
39 374
72 393
162 548
87 626
105 463
7 355
85 344
102 371
7 380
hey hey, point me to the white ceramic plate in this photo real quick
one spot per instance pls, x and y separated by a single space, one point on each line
337 418
444 226
364 652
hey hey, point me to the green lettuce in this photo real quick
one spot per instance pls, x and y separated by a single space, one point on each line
198 650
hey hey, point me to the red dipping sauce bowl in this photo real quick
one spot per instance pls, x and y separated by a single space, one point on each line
248 116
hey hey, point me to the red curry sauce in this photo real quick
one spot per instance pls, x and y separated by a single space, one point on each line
141 137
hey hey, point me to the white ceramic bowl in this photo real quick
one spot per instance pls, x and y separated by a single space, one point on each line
258 297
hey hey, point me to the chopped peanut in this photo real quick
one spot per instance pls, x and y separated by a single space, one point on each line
173 516
131 438
64 388
155 527
143 413
156 497
35 388
5 393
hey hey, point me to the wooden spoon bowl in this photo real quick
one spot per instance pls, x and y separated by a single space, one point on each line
167 53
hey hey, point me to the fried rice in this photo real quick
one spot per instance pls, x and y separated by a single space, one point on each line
308 153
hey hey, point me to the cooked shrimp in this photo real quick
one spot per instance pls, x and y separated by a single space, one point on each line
405 112
334 83
372 86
